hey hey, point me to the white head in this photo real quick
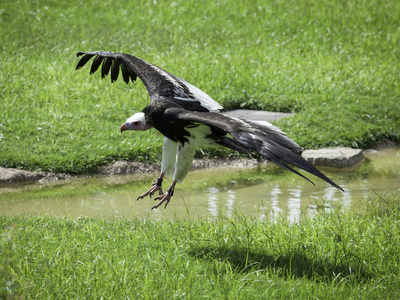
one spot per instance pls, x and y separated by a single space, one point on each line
135 122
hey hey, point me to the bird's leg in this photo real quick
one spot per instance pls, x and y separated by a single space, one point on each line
166 197
157 186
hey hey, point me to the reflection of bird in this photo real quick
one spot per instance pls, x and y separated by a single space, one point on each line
189 119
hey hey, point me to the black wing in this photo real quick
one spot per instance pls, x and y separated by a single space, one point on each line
160 84
261 137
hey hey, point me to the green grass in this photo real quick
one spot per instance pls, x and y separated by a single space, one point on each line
330 256
334 63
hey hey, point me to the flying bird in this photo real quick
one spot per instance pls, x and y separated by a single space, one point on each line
189 119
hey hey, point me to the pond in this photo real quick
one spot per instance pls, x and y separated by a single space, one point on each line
262 192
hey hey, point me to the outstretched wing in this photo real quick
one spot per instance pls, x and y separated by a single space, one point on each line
160 84
263 138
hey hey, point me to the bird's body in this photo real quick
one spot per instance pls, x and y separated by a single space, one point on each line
189 119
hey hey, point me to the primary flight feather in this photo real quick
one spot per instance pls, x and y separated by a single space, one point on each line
189 118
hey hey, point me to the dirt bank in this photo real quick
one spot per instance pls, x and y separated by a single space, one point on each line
9 175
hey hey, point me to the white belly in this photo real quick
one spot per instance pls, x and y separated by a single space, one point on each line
178 158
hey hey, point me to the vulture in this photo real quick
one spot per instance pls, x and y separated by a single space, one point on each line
189 119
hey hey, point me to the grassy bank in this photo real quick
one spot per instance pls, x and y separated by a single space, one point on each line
330 256
336 64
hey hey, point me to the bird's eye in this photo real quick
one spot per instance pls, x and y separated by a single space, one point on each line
135 123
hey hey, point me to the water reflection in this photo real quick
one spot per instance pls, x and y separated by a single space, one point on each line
276 211
212 201
230 205
293 206
220 191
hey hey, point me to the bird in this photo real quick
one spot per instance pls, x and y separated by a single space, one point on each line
190 119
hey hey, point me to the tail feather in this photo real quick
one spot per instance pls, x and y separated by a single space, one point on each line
283 165
277 151
292 158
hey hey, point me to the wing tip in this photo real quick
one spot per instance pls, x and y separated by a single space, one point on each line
86 57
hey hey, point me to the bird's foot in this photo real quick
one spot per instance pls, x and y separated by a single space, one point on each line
166 197
156 187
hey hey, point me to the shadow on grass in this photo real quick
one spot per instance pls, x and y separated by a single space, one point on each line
289 265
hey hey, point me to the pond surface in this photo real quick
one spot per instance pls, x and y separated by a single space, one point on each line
261 192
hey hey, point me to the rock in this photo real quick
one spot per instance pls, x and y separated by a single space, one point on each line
341 157
257 115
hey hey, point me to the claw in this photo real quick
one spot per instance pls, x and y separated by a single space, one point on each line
156 187
166 197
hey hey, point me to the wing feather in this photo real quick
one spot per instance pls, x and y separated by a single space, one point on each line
83 60
105 69
160 84
133 75
270 143
96 64
114 70
125 73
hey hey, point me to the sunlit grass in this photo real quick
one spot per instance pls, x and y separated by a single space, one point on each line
335 64
331 256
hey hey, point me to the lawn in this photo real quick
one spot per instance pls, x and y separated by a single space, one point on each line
338 255
333 63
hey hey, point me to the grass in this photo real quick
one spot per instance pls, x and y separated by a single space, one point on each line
335 64
330 256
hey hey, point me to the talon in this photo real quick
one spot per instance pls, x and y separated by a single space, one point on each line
158 204
166 203
156 187
164 198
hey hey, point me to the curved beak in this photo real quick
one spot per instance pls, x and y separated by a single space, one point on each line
123 127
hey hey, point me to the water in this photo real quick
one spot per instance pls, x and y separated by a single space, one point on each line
262 192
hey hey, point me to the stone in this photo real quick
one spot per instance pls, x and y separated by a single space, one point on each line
257 115
340 157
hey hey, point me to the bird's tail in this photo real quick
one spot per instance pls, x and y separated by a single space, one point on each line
287 156
276 147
